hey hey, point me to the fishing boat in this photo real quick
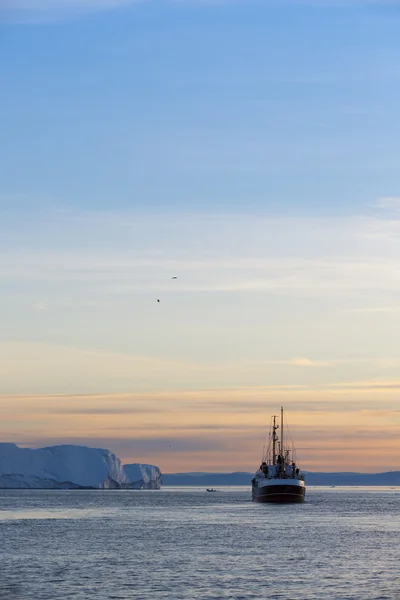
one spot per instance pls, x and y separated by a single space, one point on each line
278 479
210 490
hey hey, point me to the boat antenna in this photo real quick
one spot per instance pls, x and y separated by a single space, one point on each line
282 448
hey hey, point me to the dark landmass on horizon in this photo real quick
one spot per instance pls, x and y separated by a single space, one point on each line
390 478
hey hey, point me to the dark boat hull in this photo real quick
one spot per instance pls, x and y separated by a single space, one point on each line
279 494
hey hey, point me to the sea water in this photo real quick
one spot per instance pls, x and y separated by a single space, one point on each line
341 544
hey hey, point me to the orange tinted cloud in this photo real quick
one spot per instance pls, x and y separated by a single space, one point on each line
354 428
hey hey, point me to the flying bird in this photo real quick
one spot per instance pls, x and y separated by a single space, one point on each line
174 278
158 300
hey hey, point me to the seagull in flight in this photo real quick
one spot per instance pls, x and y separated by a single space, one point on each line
158 299
174 278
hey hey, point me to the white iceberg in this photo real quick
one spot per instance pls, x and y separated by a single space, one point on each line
70 466
144 477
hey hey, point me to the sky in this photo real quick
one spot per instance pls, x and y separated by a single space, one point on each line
250 149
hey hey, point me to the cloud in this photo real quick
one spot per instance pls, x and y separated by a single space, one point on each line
242 254
33 11
390 202
369 386
42 5
302 361
306 362
258 299
213 430
42 10
29 367
340 3
40 306
375 309
39 10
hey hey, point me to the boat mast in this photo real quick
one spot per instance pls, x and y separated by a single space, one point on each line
274 440
282 449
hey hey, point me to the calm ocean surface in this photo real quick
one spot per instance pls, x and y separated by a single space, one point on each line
342 544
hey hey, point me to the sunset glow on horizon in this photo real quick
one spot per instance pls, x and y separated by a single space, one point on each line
217 430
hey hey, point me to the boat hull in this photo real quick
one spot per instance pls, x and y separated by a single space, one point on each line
279 494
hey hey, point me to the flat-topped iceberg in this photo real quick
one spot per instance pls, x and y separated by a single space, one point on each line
71 466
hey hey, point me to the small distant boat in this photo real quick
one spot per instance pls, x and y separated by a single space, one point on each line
278 479
210 490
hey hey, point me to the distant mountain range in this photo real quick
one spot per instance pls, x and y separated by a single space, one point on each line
391 478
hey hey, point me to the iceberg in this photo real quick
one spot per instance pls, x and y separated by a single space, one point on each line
69 467
143 477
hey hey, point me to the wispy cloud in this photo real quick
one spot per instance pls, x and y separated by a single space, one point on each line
374 309
42 5
307 362
40 306
257 298
216 428
39 10
48 367
389 202
36 11
242 254
301 361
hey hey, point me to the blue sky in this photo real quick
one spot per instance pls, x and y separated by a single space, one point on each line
249 148
277 105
